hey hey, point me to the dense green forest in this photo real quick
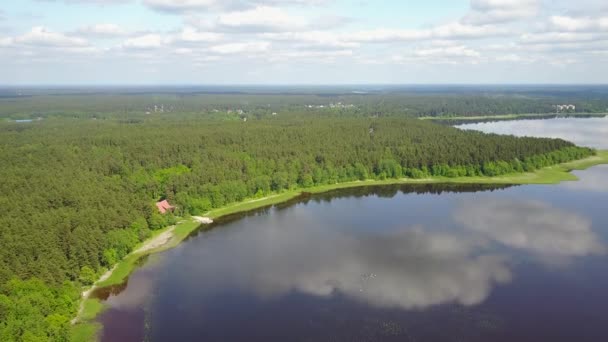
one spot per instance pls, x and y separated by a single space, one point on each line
78 193
240 102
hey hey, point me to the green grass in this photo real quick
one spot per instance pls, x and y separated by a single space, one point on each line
181 232
126 265
582 164
253 204
506 116
84 332
91 308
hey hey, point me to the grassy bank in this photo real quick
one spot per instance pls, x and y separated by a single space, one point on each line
509 116
86 330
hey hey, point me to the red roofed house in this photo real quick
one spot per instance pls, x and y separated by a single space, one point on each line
164 206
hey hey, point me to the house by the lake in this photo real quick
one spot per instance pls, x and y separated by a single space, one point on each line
164 206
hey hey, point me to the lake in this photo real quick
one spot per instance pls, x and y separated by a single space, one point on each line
394 263
590 132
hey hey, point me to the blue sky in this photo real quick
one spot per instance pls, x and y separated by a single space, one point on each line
303 41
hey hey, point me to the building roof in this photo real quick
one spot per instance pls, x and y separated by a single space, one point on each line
163 206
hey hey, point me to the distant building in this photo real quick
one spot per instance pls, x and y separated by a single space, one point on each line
164 206
565 107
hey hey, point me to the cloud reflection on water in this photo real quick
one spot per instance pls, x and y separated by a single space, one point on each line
533 226
595 179
414 267
590 132
408 268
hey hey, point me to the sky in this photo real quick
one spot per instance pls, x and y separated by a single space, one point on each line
153 42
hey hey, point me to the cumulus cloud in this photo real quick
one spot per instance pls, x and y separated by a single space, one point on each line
560 37
190 6
180 6
315 39
543 32
581 24
103 31
148 41
240 48
500 11
192 35
6 41
92 2
262 18
452 51
453 30
42 37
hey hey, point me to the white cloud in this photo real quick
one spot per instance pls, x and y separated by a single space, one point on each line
463 31
500 11
240 48
95 2
317 56
572 24
514 58
180 6
103 31
188 6
448 31
388 35
262 19
6 41
493 32
560 37
319 39
191 35
452 51
42 37
148 41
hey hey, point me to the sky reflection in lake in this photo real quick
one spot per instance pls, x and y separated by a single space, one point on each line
590 132
313 271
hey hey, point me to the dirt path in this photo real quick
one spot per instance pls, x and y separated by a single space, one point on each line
158 241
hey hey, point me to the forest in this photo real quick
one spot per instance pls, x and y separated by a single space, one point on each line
258 102
78 191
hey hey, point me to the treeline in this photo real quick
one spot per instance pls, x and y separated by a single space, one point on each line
128 107
78 195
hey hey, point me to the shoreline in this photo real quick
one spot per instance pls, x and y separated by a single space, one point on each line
508 117
172 236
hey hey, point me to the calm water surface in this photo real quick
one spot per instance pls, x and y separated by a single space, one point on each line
400 263
591 132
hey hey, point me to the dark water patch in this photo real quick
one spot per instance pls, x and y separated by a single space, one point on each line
105 292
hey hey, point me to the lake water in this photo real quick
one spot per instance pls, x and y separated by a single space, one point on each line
396 263
590 132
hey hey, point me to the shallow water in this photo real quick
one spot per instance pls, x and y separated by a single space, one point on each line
402 263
